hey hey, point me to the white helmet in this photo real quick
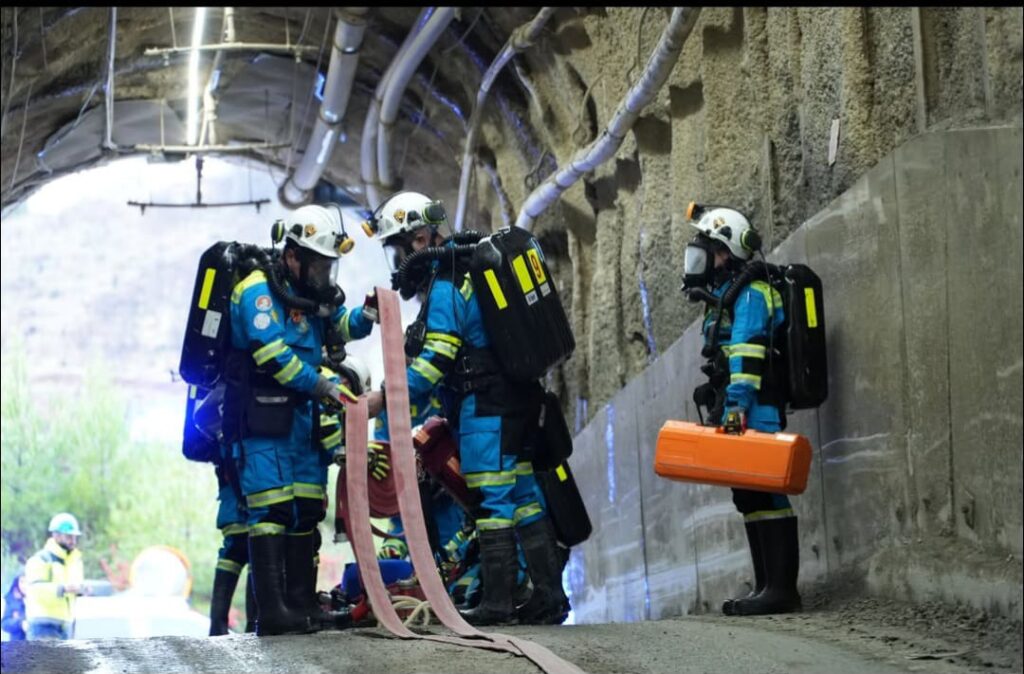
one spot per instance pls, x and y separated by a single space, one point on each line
726 225
316 228
404 212
64 523
355 370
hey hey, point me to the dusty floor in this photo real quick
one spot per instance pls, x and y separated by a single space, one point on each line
834 634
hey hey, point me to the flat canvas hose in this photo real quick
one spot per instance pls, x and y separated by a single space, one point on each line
403 464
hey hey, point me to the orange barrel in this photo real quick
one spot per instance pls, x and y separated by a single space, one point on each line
774 462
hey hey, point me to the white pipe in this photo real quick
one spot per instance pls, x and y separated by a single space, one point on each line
520 39
341 73
208 130
643 92
397 84
108 141
192 126
368 148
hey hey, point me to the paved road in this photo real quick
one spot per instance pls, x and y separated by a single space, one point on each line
692 644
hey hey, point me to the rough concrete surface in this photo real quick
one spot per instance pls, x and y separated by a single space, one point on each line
838 632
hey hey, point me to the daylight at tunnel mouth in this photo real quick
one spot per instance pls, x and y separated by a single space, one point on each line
676 324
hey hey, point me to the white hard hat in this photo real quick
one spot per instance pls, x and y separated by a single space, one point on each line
405 212
316 228
355 370
64 523
726 225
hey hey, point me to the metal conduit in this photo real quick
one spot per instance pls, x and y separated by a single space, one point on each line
341 73
368 148
603 148
521 38
397 83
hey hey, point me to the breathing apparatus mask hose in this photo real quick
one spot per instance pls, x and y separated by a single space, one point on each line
411 274
750 272
273 271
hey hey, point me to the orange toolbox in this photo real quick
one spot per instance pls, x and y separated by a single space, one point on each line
774 462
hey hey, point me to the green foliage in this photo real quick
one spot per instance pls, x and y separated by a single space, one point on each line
75 454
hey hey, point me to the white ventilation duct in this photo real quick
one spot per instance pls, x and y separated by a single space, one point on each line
521 38
397 83
603 148
368 148
348 38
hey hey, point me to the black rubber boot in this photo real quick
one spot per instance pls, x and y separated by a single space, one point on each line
300 577
266 557
250 604
780 546
757 558
498 570
224 583
548 604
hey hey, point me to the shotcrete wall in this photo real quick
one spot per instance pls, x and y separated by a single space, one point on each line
916 482
746 119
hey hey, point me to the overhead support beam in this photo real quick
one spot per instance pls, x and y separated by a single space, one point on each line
297 50
203 149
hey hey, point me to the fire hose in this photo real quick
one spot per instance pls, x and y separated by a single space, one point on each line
403 464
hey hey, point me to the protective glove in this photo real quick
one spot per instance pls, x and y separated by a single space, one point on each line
734 420
332 394
370 308
377 461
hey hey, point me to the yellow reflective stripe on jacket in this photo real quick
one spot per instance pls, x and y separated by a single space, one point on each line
229 566
266 529
343 326
528 510
772 298
289 371
467 289
493 479
269 497
45 574
234 529
745 350
493 523
524 468
268 351
307 490
442 348
249 281
332 440
744 378
431 373
444 337
762 515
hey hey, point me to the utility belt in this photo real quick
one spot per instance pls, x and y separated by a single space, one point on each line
475 369
255 404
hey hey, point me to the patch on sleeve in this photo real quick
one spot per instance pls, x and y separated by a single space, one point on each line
261 321
263 303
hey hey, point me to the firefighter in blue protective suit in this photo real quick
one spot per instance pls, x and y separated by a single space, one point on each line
745 391
494 416
281 318
205 417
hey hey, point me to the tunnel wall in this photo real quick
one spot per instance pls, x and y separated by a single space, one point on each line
915 487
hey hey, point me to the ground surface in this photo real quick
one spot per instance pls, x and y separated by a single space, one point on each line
834 634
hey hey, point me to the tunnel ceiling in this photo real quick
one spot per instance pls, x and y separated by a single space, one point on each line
55 69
